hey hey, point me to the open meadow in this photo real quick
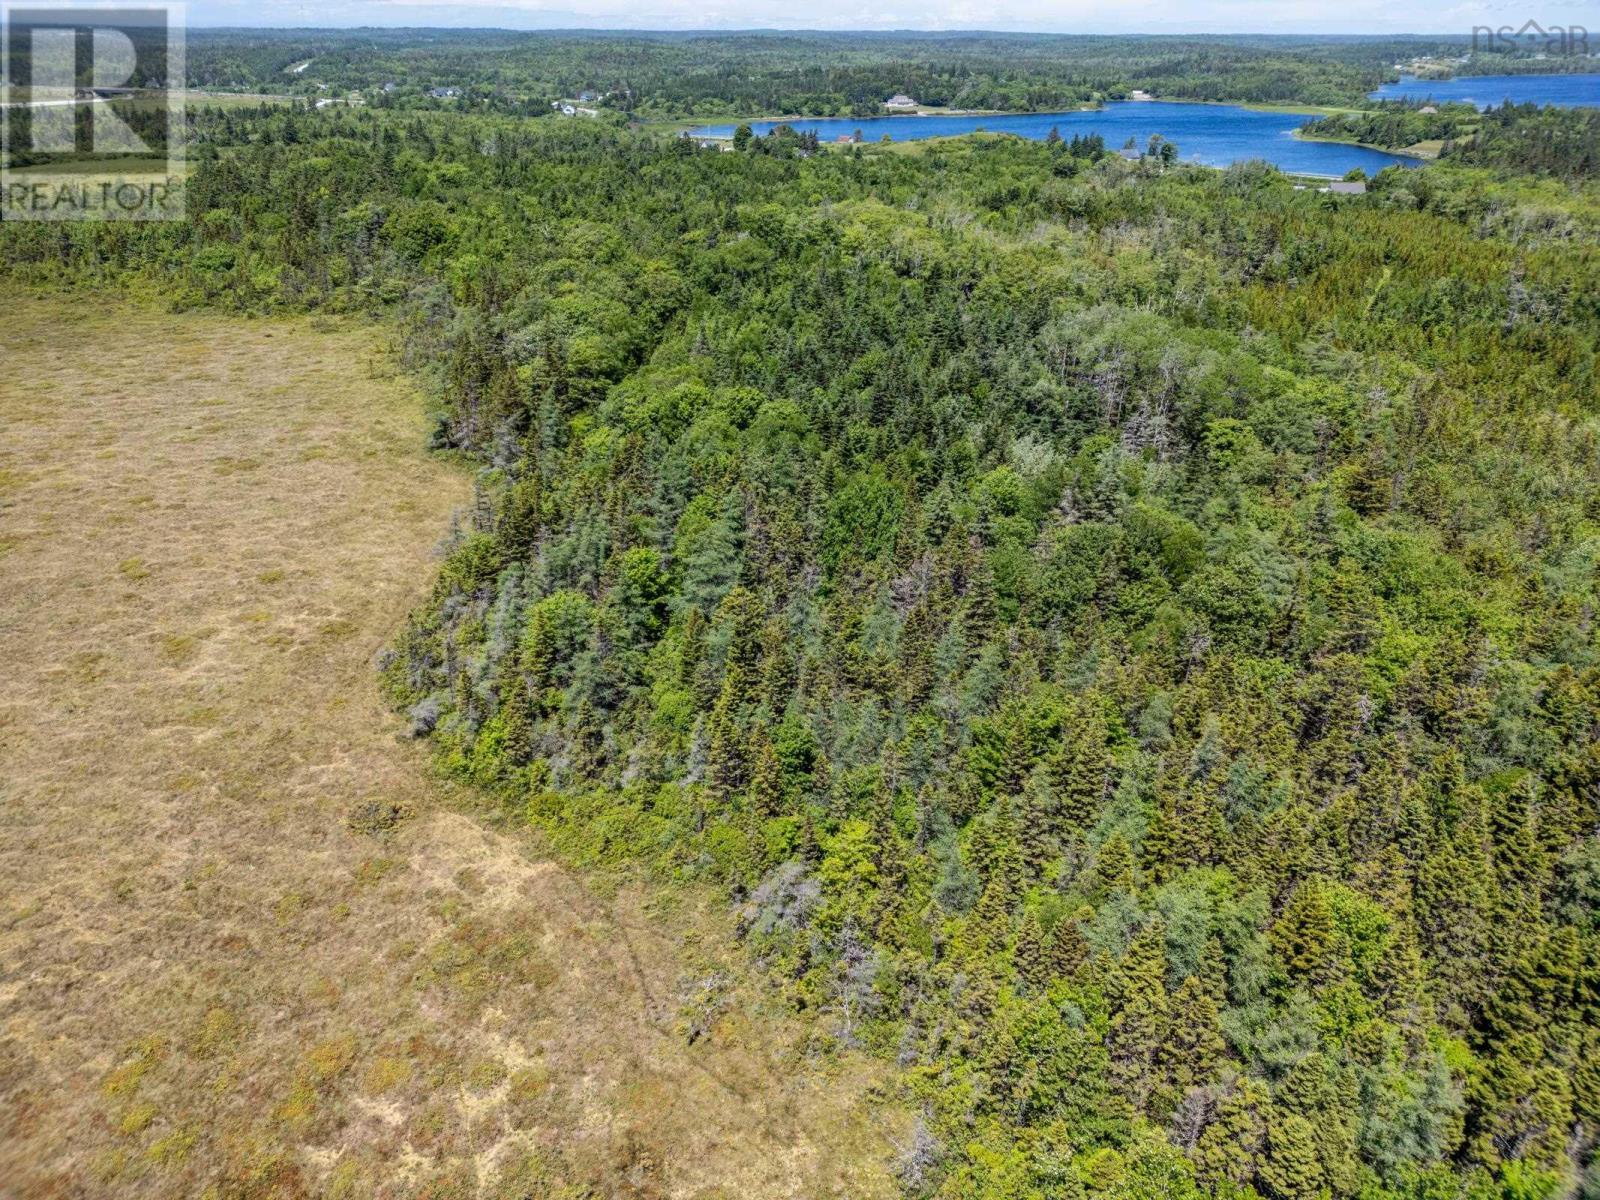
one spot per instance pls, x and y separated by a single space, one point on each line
250 945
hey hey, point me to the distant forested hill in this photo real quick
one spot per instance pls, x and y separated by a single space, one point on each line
1124 637
664 75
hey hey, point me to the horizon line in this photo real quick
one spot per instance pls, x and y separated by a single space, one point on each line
806 29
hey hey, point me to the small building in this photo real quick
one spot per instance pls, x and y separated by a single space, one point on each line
444 93
568 110
1348 187
844 139
587 97
1130 154
1427 108
899 100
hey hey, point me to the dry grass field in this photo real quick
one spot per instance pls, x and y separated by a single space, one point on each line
249 945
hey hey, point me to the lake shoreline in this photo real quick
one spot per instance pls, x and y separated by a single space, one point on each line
1405 152
1205 132
1561 89
696 125
945 139
673 124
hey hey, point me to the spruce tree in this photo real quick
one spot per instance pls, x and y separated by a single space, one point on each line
1291 1168
586 742
726 769
1066 950
1303 936
1113 868
1230 1148
979 612
989 927
1140 1016
1031 958
518 721
766 790
521 517
1078 766
1195 1045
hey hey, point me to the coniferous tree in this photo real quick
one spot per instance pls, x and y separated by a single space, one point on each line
1066 949
1031 957
586 740
1078 767
1303 936
518 720
990 925
520 523
766 777
979 612
1113 867
1195 1045
1290 1166
1140 1018
1230 1149
726 768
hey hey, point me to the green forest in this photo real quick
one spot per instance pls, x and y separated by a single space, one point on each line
1396 124
1121 635
662 76
1519 137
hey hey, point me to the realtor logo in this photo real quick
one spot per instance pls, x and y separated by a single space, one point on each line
1561 40
92 122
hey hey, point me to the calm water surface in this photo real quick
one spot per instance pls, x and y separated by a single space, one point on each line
1213 134
1564 91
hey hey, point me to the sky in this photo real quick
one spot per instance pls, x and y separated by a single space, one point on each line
1054 16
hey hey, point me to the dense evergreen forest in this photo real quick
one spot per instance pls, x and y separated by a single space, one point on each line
1519 137
813 74
1534 58
1124 636
1546 141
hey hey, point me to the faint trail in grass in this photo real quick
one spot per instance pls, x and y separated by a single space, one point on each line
247 938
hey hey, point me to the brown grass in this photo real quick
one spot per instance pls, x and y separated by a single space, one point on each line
222 972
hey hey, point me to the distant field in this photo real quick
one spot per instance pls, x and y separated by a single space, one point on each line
249 946
200 99
123 169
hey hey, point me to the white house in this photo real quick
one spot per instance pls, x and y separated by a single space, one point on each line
899 100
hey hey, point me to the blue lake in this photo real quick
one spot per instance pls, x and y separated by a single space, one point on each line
1212 134
1564 91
